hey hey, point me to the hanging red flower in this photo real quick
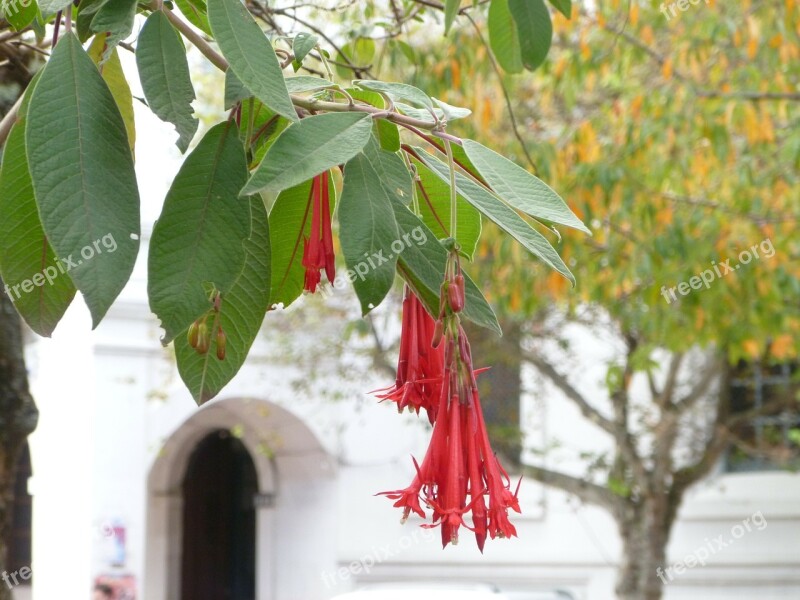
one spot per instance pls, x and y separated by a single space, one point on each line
460 471
318 248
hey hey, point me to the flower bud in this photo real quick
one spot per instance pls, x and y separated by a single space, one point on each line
193 335
438 333
203 339
455 294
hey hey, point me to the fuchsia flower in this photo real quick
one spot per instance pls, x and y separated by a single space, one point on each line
459 464
318 248
419 368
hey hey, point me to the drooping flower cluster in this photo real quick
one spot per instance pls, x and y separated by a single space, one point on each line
419 368
460 473
318 247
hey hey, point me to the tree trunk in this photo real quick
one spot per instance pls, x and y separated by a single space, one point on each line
18 417
645 529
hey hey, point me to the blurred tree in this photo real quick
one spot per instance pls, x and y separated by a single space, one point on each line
678 141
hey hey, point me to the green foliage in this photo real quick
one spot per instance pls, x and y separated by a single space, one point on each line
221 255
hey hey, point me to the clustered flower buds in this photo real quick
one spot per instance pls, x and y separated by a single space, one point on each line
460 471
199 333
318 248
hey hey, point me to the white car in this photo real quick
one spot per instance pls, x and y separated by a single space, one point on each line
441 591
423 591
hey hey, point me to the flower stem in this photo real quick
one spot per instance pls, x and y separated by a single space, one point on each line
453 192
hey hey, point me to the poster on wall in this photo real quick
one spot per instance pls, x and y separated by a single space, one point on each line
124 585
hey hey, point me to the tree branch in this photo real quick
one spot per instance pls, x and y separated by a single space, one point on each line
560 381
585 490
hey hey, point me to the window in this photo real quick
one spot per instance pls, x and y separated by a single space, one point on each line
771 441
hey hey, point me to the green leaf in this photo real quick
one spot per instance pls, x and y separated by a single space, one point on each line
520 189
164 72
117 84
306 83
535 30
241 315
359 53
391 169
115 17
388 133
290 224
450 12
503 37
367 230
450 112
433 197
308 148
196 12
235 91
422 265
51 7
82 172
20 13
198 239
250 54
508 220
302 44
40 290
397 91
87 9
563 6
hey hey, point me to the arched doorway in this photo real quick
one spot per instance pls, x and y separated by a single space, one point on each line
219 521
296 483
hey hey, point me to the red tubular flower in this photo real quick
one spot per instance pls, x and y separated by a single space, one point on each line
318 248
459 464
420 366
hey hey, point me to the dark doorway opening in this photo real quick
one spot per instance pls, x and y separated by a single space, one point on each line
219 521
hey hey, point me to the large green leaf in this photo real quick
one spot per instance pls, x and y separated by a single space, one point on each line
290 225
164 72
520 189
20 13
199 237
82 172
422 265
367 231
241 314
115 17
308 148
496 210
35 280
433 197
250 54
535 30
503 37
388 133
